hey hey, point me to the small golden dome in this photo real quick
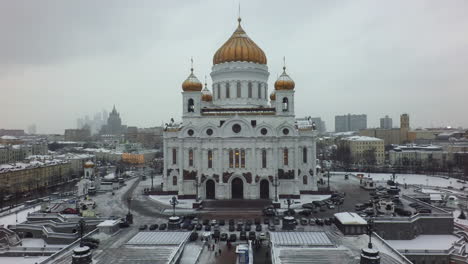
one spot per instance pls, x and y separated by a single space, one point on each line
206 95
284 82
273 96
88 164
239 47
192 84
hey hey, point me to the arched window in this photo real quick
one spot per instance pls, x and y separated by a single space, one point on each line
264 158
190 157
259 91
87 174
191 105
285 104
174 180
242 158
304 154
219 91
285 157
210 159
238 89
237 158
250 90
231 158
227 90
174 156
304 179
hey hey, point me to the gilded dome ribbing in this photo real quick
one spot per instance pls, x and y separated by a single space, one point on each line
239 47
192 84
284 82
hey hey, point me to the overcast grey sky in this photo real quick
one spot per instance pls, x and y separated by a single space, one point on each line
60 60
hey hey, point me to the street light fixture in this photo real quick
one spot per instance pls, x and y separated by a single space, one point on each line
173 202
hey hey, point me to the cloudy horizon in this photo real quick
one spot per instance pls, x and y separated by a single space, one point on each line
62 60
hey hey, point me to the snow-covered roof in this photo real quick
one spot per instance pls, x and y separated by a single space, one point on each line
33 164
349 218
362 138
159 238
6 137
425 242
300 239
108 223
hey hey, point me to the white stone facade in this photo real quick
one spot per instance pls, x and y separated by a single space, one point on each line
239 144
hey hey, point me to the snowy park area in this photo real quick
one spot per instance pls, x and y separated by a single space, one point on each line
165 199
416 179
20 216
425 242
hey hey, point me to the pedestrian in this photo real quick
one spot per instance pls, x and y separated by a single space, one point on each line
219 252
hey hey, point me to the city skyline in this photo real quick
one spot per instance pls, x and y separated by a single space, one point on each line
377 59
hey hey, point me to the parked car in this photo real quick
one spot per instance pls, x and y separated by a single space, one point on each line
276 221
252 235
262 236
153 227
312 221
223 237
258 228
257 221
163 226
424 211
248 222
216 234
319 222
266 221
232 228
240 227
243 235
232 238
198 227
305 212
143 227
327 221
271 227
92 240
331 206
193 236
248 227
207 228
206 221
222 222
124 224
191 227
304 221
214 222
231 222
310 206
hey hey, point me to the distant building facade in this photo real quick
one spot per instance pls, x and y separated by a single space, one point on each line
386 122
12 132
14 153
361 147
148 137
350 122
81 134
395 136
114 124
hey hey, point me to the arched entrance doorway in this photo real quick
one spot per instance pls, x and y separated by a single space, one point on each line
210 189
237 188
264 189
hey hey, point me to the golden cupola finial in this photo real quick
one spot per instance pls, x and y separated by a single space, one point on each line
192 84
284 82
239 47
206 94
273 96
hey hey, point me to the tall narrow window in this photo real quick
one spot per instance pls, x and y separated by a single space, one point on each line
264 158
264 92
285 104
250 90
219 91
227 90
191 105
174 156
242 158
190 157
174 180
304 154
210 159
259 91
237 158
238 89
231 158
285 157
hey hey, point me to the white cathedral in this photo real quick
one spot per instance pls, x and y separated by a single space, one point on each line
237 142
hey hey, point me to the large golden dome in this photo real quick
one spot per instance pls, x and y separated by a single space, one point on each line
239 47
284 82
192 84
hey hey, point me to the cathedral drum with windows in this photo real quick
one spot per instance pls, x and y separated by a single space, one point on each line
238 142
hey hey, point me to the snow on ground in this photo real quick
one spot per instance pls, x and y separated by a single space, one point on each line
191 253
165 199
423 242
416 179
38 242
22 260
305 198
22 215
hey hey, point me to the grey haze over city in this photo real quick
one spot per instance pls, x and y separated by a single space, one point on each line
61 60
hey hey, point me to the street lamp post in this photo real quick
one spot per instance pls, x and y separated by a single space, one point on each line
173 202
197 185
81 228
328 174
276 183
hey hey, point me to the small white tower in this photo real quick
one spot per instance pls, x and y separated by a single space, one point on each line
191 95
88 169
284 94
